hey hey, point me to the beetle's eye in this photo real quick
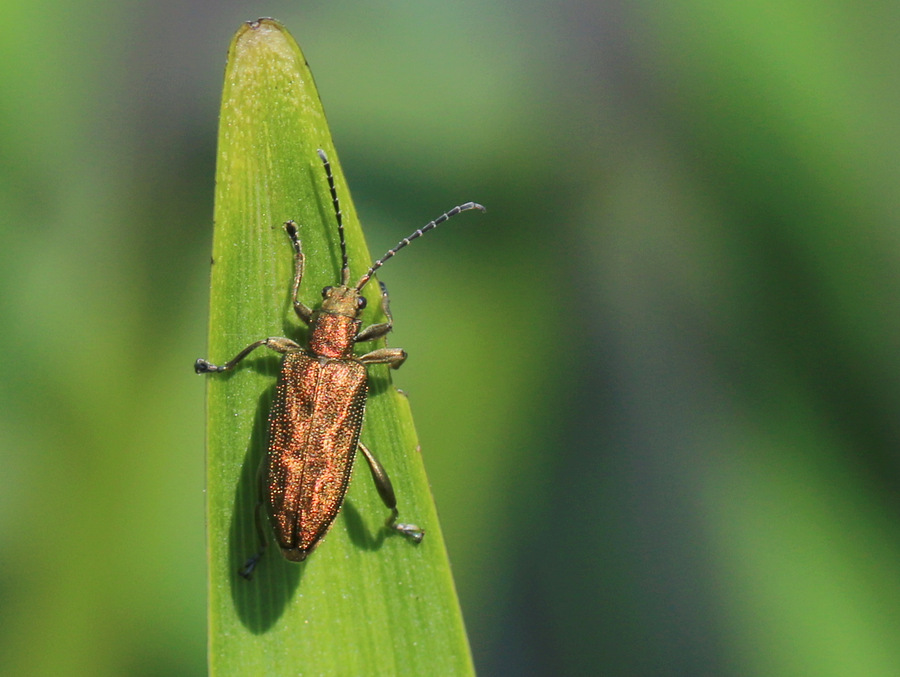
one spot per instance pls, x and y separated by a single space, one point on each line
361 302
325 291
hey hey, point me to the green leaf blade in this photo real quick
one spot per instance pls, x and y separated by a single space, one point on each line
366 601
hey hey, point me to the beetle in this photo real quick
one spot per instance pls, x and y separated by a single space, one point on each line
317 413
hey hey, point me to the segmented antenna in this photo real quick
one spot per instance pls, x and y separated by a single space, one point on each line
419 233
345 264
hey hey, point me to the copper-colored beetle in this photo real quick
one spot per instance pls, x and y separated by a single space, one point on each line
317 414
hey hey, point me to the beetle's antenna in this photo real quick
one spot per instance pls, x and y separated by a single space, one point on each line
345 264
419 233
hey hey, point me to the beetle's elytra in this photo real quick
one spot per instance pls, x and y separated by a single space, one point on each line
317 414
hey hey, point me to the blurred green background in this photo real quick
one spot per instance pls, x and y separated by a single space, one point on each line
662 429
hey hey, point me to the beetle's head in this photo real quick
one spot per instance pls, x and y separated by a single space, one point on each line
342 300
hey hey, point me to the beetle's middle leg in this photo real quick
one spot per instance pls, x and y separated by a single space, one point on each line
276 343
389 498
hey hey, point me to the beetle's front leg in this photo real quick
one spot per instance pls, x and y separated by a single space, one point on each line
389 498
276 343
377 331
303 311
392 356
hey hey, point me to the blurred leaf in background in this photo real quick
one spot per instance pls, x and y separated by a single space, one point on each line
662 432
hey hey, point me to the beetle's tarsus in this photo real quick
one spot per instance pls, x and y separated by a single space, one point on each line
411 531
201 366
246 571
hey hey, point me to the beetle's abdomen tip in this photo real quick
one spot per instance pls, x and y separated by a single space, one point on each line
294 554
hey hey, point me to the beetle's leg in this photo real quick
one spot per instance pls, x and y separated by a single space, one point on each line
303 311
392 356
246 571
278 344
389 498
377 331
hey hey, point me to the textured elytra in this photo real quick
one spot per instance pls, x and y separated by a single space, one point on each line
314 427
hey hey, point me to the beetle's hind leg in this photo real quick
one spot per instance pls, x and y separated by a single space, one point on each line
389 498
246 571
411 531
